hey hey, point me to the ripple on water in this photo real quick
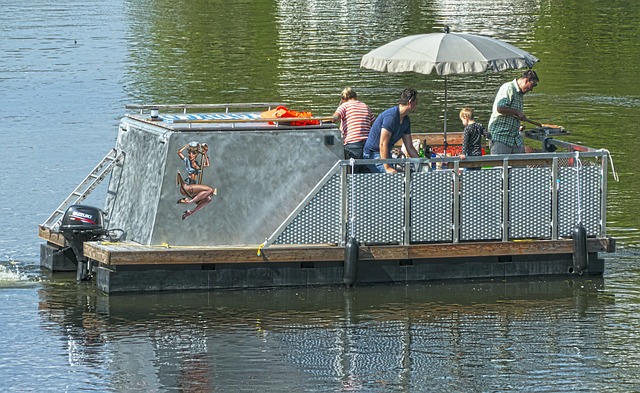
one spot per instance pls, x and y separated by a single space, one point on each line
15 275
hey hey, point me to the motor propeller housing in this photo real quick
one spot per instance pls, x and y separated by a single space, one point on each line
83 221
80 224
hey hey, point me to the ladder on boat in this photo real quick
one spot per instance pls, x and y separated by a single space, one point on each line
93 179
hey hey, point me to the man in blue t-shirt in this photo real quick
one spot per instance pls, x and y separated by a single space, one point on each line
392 125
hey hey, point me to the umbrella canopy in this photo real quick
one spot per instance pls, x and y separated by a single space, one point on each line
447 54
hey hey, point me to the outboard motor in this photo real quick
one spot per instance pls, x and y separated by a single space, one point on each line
80 224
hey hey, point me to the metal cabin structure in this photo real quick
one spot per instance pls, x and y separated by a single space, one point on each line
288 210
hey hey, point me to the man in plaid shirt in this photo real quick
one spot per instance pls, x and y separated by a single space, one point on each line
504 124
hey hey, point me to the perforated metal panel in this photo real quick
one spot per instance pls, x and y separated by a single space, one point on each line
530 203
319 221
379 207
481 205
590 199
376 202
432 206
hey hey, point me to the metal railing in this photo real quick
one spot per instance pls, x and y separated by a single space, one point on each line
179 114
510 197
184 108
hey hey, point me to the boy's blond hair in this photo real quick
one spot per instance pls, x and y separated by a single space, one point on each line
466 113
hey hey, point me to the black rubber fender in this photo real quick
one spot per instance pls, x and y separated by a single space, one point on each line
580 255
351 251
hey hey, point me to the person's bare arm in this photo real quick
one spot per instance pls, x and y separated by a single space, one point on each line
385 139
506 111
408 145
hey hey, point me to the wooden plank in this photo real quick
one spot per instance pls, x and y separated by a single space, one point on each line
303 254
495 249
51 236
141 255
132 254
450 250
97 253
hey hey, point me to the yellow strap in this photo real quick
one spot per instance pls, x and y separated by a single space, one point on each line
260 247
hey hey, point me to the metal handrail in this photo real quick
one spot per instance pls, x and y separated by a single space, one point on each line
411 165
185 107
256 120
514 159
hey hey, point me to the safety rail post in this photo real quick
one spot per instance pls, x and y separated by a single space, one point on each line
505 199
407 204
603 195
345 210
554 199
456 202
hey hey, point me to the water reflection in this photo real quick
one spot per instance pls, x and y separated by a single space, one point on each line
375 338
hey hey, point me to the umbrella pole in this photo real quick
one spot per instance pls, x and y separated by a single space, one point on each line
445 116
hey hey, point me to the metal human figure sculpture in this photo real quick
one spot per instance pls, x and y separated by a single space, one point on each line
191 186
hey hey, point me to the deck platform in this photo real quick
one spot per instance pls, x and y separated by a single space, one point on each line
126 267
129 254
130 267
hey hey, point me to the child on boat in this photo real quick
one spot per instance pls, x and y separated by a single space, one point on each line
473 133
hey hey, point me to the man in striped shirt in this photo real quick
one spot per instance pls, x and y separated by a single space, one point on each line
355 122
504 124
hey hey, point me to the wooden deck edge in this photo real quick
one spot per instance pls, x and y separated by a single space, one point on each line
133 254
50 236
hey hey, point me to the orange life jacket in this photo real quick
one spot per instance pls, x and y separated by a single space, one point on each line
283 111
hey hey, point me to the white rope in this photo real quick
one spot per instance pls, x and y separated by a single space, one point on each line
352 162
578 165
613 170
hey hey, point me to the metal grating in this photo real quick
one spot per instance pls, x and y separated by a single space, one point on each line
432 206
379 207
319 221
376 202
481 204
590 180
530 203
